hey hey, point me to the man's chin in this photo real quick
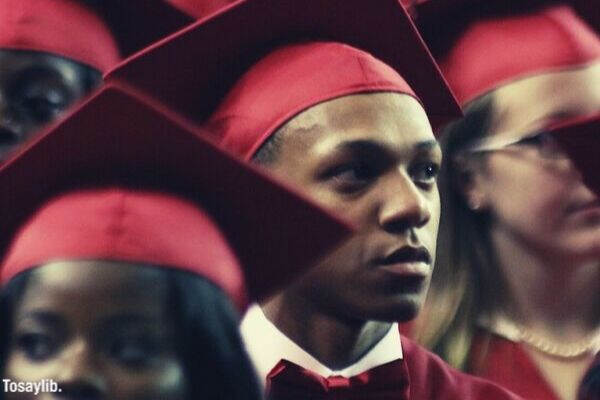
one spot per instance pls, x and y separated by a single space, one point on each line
402 309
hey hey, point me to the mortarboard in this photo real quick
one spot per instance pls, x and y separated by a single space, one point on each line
137 24
492 43
62 27
198 65
118 138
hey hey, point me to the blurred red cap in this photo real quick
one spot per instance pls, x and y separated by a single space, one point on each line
62 27
495 42
126 225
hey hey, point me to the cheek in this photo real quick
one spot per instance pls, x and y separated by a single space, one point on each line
429 239
19 368
166 382
522 191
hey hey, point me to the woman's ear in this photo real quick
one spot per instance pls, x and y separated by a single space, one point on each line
468 183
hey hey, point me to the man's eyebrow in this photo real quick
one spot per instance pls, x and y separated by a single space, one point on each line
362 146
428 145
374 146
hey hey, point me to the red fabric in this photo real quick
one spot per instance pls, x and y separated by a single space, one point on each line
125 225
432 378
62 27
420 375
507 364
494 51
199 8
386 382
290 80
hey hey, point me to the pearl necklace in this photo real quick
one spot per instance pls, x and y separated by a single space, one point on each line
517 333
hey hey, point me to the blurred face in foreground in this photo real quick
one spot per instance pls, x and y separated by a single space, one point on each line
101 330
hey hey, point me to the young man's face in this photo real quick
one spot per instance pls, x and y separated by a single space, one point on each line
373 159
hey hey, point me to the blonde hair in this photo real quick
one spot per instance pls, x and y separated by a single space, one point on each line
466 282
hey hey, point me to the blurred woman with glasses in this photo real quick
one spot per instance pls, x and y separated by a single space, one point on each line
516 290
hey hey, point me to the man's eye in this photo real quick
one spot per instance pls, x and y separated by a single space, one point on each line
425 172
352 177
36 346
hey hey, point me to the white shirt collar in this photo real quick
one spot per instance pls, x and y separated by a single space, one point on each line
267 345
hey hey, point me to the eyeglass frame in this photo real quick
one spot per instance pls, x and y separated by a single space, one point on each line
532 139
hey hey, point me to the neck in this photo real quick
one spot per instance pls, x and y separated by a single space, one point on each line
545 293
335 342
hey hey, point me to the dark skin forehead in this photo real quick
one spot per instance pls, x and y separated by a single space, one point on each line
111 288
393 122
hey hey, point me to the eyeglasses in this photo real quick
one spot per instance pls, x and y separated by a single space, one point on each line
543 142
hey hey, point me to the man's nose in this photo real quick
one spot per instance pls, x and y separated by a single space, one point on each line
404 206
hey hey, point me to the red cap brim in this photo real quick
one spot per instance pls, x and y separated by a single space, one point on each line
482 45
119 137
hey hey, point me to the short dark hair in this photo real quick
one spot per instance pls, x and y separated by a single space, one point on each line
207 336
270 149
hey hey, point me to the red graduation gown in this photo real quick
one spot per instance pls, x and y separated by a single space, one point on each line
420 375
431 378
507 364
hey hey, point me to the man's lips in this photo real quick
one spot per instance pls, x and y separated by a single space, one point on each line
407 261
406 254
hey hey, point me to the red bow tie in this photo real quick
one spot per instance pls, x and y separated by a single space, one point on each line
288 381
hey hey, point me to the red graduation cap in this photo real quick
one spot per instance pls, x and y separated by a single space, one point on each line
120 139
127 225
62 27
193 69
580 138
494 42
